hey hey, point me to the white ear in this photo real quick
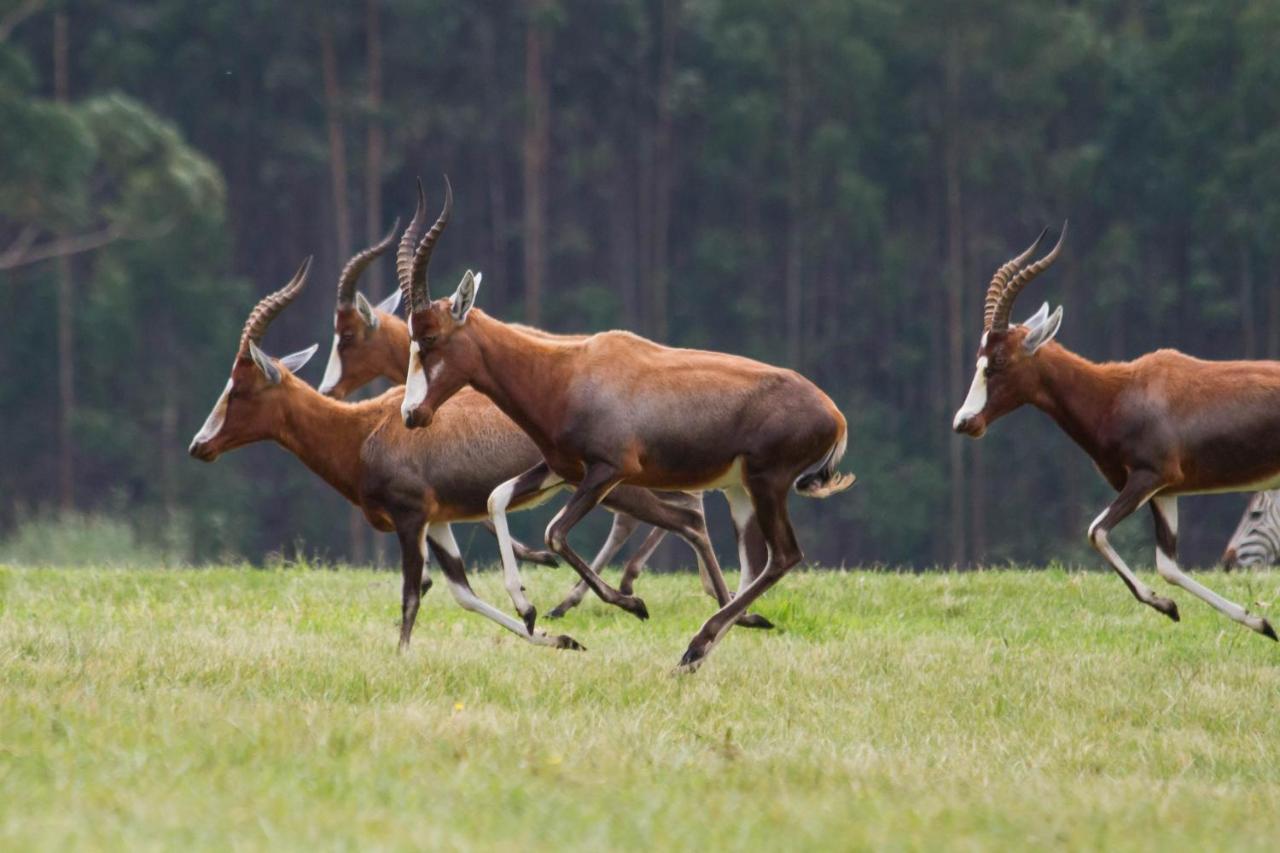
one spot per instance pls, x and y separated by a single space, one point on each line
392 303
1042 334
465 296
297 360
1037 318
265 363
366 311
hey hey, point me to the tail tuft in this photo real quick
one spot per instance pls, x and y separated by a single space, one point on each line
824 480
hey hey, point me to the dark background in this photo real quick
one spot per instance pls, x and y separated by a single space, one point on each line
827 185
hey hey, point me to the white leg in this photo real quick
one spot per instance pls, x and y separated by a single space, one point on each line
442 536
499 500
1166 507
1144 593
743 512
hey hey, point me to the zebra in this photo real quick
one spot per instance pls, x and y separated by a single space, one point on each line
1256 541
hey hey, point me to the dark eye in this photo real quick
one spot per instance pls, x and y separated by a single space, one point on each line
429 340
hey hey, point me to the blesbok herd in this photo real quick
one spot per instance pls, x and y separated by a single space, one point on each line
489 417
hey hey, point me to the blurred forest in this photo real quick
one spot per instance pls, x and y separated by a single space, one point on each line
827 185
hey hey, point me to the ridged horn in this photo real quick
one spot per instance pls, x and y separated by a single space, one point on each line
419 292
1001 279
404 254
1000 320
271 305
360 262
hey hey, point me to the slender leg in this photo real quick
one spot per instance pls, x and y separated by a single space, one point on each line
526 487
1165 510
770 502
636 564
682 514
523 552
450 558
412 566
598 481
1137 490
623 526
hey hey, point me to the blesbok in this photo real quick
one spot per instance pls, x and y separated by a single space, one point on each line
414 484
1256 540
614 410
370 342
1163 425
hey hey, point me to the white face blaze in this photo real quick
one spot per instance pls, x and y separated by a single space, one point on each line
415 385
977 399
333 370
213 423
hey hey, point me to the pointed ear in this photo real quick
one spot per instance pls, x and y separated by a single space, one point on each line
265 363
1037 318
366 311
465 296
296 361
391 304
1043 333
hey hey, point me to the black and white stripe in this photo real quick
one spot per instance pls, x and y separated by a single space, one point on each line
1256 541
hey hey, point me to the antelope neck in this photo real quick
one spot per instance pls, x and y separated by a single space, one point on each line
327 435
1077 393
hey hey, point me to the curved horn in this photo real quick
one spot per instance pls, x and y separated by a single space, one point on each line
998 282
359 263
404 254
271 305
419 293
1001 318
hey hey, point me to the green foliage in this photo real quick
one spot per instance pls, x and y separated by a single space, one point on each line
807 149
77 540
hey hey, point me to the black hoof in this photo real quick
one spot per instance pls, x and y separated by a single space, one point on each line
692 659
426 585
1168 607
545 558
564 641
635 606
1268 631
754 620
557 612
530 617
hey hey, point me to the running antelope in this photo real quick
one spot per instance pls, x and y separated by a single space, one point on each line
614 409
1158 427
675 510
371 342
414 484
1256 541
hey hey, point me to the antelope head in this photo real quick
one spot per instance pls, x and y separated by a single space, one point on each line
252 402
360 346
1006 377
440 352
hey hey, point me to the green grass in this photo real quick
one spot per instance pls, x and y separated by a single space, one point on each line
249 709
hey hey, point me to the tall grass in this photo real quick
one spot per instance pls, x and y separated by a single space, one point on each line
268 709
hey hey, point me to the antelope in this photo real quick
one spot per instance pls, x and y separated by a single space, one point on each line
371 342
614 410
1256 541
1158 427
415 484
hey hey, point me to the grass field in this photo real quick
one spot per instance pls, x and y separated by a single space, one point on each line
250 709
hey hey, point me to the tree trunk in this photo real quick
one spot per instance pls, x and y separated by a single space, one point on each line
662 169
955 290
537 148
1248 328
338 175
499 218
794 250
66 317
375 143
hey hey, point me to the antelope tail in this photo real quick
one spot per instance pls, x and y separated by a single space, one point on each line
823 480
